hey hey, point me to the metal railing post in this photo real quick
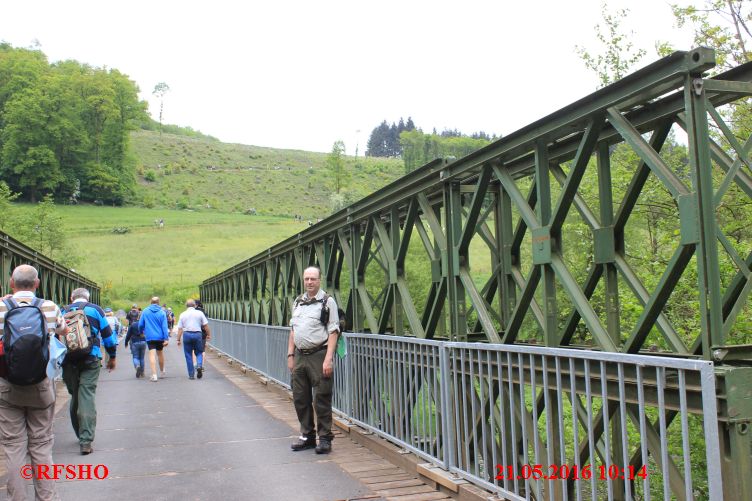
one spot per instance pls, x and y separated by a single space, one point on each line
448 438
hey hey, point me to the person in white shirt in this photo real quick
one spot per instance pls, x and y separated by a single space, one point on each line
190 325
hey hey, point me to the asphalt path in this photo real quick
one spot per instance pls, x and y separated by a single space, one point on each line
181 439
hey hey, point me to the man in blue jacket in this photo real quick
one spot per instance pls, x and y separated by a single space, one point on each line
81 371
153 323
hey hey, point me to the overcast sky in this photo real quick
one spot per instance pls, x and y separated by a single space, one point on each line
303 74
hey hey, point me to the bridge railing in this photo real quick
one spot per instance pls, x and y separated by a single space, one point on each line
523 421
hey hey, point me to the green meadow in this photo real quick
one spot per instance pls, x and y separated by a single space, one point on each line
170 262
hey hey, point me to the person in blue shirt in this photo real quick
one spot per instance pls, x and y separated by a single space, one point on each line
81 371
153 323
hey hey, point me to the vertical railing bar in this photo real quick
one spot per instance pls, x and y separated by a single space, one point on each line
398 384
388 385
643 432
534 431
606 430
575 430
549 432
465 426
482 415
457 394
405 400
418 392
712 441
473 415
371 406
424 392
624 436
549 426
660 375
685 436
560 410
350 379
386 380
523 412
414 431
512 424
591 435
446 437
503 428
434 370
353 353
430 401
492 409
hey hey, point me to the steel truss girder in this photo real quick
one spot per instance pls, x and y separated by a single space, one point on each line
501 199
56 282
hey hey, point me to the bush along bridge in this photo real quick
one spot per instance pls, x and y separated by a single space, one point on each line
580 356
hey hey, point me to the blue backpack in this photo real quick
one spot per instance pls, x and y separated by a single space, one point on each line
26 342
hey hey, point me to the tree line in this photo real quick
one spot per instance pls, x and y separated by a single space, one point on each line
405 140
64 128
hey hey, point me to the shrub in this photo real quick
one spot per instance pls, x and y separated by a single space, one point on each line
150 175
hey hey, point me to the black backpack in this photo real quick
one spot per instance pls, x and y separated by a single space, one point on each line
26 342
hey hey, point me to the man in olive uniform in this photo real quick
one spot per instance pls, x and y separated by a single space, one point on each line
310 358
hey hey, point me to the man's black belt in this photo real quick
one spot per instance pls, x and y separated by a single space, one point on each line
311 351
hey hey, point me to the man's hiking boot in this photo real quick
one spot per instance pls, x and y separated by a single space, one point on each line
324 447
199 372
139 371
86 449
303 443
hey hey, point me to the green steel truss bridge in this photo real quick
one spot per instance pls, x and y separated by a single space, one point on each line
483 248
56 281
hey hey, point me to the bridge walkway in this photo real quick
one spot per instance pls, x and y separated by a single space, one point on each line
223 437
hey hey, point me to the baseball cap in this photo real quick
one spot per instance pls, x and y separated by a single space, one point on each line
134 305
108 310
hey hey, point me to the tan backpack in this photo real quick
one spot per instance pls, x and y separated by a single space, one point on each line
78 339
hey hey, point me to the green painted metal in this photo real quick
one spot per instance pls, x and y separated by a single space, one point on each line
476 248
56 282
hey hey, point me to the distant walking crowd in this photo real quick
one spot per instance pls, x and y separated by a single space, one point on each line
41 341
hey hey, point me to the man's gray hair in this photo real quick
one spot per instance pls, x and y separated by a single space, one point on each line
155 300
313 268
80 293
25 276
190 303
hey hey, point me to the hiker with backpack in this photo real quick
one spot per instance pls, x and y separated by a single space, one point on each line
88 332
132 316
27 395
314 327
138 347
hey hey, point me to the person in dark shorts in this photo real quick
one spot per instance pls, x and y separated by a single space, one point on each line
153 324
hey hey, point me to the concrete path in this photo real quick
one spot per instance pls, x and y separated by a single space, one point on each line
181 439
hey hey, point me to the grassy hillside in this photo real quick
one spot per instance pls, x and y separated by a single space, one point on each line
168 262
202 188
205 174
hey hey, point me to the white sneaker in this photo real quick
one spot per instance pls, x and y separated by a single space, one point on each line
164 373
154 378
